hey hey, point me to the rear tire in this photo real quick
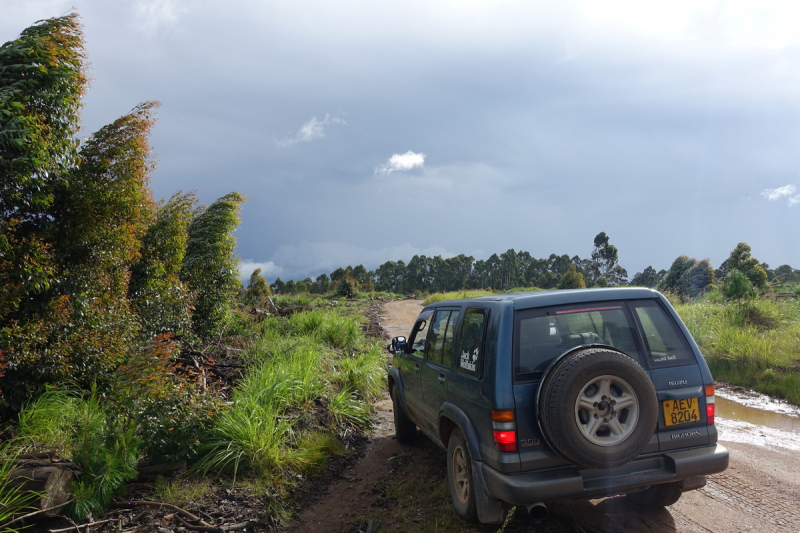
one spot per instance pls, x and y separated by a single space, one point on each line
459 477
404 429
657 496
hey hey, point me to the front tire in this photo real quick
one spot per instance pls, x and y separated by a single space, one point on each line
404 429
459 477
657 496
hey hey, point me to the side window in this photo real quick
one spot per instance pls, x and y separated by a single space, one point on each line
665 342
418 336
470 345
441 336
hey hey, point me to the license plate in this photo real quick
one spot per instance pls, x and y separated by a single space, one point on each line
681 411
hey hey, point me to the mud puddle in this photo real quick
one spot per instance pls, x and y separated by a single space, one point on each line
748 417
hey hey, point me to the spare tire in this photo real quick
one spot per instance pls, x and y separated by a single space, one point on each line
598 408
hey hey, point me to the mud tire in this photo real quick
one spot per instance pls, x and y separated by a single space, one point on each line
657 496
404 429
566 414
459 477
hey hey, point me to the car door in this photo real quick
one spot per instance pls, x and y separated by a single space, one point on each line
436 367
409 364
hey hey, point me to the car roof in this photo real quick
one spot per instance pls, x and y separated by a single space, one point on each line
526 300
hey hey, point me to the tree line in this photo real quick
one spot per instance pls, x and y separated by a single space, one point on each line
512 269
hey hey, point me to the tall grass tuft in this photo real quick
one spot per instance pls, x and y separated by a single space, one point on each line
363 373
754 343
340 332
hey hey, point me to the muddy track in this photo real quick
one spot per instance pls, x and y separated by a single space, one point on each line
757 493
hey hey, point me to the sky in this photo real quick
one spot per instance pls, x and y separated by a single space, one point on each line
364 131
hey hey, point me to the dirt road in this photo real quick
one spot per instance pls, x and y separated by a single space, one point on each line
401 488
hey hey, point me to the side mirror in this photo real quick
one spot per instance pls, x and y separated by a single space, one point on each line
398 344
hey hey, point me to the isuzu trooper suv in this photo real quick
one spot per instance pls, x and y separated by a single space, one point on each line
558 394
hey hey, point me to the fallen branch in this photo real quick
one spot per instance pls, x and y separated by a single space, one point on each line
175 508
23 517
79 526
202 529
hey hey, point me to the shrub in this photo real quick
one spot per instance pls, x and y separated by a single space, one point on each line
209 266
572 279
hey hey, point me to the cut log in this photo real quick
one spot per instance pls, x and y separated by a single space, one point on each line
52 484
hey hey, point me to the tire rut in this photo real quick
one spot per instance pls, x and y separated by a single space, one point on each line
774 507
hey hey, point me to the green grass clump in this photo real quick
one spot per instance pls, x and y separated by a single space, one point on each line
446 296
314 360
752 343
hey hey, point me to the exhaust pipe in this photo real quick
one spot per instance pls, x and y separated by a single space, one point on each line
537 511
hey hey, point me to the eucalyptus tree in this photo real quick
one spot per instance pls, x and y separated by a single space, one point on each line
210 266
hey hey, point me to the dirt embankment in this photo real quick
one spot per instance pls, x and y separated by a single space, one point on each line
401 488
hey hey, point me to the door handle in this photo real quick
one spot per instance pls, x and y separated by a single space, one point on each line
441 379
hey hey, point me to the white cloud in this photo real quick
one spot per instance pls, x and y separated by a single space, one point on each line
313 129
268 269
151 15
401 163
787 191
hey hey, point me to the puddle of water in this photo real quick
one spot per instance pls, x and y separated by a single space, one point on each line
752 418
761 402
733 410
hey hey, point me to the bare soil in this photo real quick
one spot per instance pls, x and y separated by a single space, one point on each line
401 487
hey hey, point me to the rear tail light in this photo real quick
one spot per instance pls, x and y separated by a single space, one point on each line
711 407
504 430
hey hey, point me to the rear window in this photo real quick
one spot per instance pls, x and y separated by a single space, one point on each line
666 344
543 334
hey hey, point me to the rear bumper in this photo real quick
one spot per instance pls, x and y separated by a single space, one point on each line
522 489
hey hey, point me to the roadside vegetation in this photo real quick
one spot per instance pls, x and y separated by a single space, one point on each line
127 341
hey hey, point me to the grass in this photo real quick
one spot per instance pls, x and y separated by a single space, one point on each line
308 375
754 343
445 296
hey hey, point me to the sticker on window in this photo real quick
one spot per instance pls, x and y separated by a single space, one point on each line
468 360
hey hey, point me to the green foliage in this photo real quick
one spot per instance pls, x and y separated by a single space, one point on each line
105 210
688 277
442 297
674 280
741 260
14 500
81 340
737 285
257 289
42 81
572 279
210 266
79 426
296 368
161 300
363 372
52 420
345 407
169 407
601 282
340 332
346 287
647 278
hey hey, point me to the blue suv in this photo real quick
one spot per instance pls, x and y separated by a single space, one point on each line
558 394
